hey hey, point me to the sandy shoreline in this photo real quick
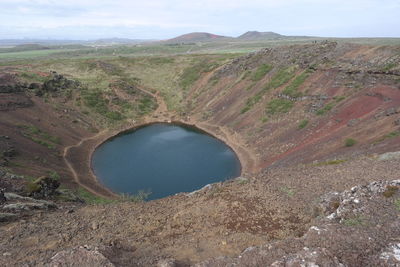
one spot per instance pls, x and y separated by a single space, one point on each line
78 157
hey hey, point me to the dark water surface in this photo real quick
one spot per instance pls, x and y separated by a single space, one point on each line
164 159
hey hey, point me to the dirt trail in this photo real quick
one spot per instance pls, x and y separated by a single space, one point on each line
69 164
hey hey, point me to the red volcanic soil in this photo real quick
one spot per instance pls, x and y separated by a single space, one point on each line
362 107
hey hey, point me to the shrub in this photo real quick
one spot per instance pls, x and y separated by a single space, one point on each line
390 191
350 142
303 124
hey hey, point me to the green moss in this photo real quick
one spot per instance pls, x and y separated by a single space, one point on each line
303 124
350 142
279 106
261 72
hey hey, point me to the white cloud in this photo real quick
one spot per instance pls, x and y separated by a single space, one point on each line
220 16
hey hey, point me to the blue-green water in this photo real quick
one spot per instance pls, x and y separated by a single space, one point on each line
164 159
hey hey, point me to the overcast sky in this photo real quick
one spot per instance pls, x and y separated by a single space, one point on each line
162 19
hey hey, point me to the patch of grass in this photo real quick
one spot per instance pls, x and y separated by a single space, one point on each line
397 204
325 109
291 89
279 106
288 191
94 99
356 221
350 142
38 136
193 73
261 72
264 119
280 78
390 191
339 98
161 60
303 124
330 162
389 66
54 175
147 104
90 198
387 136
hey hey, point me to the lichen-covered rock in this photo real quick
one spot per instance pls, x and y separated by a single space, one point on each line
43 187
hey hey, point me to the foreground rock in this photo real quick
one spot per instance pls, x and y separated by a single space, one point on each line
358 229
6 217
80 256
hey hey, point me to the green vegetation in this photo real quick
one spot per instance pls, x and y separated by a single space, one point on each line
38 136
397 204
350 142
94 99
303 124
279 106
54 175
280 78
390 191
389 66
90 198
193 73
330 162
339 98
356 221
288 191
261 72
291 89
325 109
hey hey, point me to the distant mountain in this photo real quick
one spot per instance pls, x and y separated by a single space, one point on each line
255 35
111 41
195 37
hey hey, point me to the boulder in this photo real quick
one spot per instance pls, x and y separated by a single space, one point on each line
6 217
27 206
2 197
